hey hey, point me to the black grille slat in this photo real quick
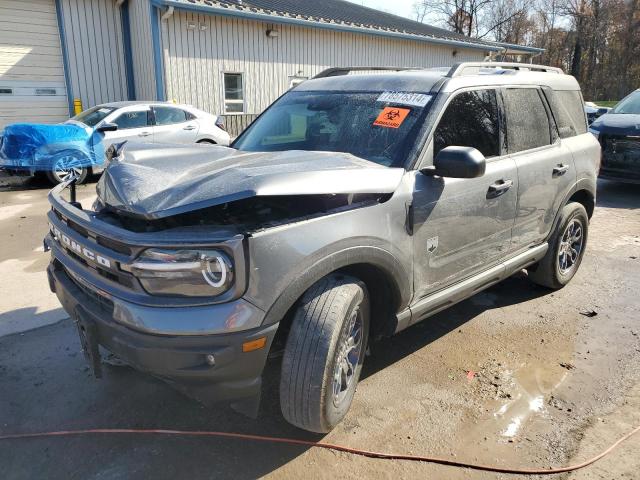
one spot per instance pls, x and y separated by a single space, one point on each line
113 245
102 302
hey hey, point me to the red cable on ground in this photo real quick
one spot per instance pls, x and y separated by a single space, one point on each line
328 446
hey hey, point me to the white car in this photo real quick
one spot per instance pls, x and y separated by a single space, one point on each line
148 122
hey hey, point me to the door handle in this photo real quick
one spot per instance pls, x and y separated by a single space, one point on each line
189 127
499 188
144 134
560 170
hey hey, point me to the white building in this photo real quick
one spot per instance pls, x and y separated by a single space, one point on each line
226 57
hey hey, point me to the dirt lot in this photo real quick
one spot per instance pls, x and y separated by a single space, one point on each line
553 383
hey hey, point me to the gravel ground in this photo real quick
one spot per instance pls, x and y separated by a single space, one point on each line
550 384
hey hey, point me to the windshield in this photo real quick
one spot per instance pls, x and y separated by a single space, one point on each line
629 104
377 126
93 116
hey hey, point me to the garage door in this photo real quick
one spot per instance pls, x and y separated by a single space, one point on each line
32 87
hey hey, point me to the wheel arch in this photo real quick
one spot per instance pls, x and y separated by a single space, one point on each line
208 140
584 197
388 284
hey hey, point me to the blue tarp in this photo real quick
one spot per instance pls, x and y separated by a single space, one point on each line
38 147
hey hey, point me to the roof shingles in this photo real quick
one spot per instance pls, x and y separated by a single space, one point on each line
345 13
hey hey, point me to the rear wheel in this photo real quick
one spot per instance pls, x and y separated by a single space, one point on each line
566 249
324 353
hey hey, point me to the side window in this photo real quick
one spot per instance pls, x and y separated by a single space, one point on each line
133 119
233 93
470 120
169 115
572 102
527 121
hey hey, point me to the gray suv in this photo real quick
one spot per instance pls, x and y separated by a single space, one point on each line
358 204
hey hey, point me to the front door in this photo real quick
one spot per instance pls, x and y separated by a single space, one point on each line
463 225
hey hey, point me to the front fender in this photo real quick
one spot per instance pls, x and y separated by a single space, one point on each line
313 269
285 261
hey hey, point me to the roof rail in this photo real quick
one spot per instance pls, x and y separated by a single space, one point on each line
459 69
337 71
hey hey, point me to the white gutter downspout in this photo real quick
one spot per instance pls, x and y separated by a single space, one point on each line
165 16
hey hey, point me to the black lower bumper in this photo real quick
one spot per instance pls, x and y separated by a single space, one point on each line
180 360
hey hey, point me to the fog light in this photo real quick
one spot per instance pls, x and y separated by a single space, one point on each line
211 360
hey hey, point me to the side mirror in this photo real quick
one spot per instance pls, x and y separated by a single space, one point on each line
107 127
458 162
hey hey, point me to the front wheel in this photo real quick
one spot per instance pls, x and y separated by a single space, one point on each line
64 169
566 249
324 353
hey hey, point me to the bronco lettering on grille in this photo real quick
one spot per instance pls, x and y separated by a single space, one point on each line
77 248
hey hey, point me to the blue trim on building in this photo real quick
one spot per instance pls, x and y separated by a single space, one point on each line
264 17
65 59
128 56
157 51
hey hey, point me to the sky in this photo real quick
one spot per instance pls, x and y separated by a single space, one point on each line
397 7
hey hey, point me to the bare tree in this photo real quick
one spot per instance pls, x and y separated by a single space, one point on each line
597 41
479 18
461 16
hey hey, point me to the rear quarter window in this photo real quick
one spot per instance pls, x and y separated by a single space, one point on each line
568 111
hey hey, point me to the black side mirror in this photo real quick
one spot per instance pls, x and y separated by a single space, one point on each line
458 162
107 127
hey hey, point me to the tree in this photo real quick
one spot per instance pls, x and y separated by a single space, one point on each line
597 41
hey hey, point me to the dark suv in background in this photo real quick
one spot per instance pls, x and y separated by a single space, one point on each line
618 132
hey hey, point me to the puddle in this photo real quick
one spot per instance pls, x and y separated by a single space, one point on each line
531 387
518 396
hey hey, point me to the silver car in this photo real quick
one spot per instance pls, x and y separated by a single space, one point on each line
354 207
149 122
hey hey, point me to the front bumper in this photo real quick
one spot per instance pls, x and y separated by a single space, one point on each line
179 359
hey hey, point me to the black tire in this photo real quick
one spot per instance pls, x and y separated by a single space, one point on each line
318 339
206 141
55 178
549 271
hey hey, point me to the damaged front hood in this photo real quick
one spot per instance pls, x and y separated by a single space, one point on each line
158 181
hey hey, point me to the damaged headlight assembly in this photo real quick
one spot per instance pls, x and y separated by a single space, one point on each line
188 273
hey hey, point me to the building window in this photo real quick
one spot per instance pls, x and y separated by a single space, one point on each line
6 91
45 91
233 93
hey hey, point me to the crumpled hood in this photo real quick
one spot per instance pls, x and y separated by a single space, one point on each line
617 124
157 181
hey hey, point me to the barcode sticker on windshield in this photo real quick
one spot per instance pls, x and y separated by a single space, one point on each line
405 98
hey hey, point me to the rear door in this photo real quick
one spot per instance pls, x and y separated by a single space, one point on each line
174 125
462 226
546 170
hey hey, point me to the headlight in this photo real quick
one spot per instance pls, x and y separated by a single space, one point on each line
189 273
